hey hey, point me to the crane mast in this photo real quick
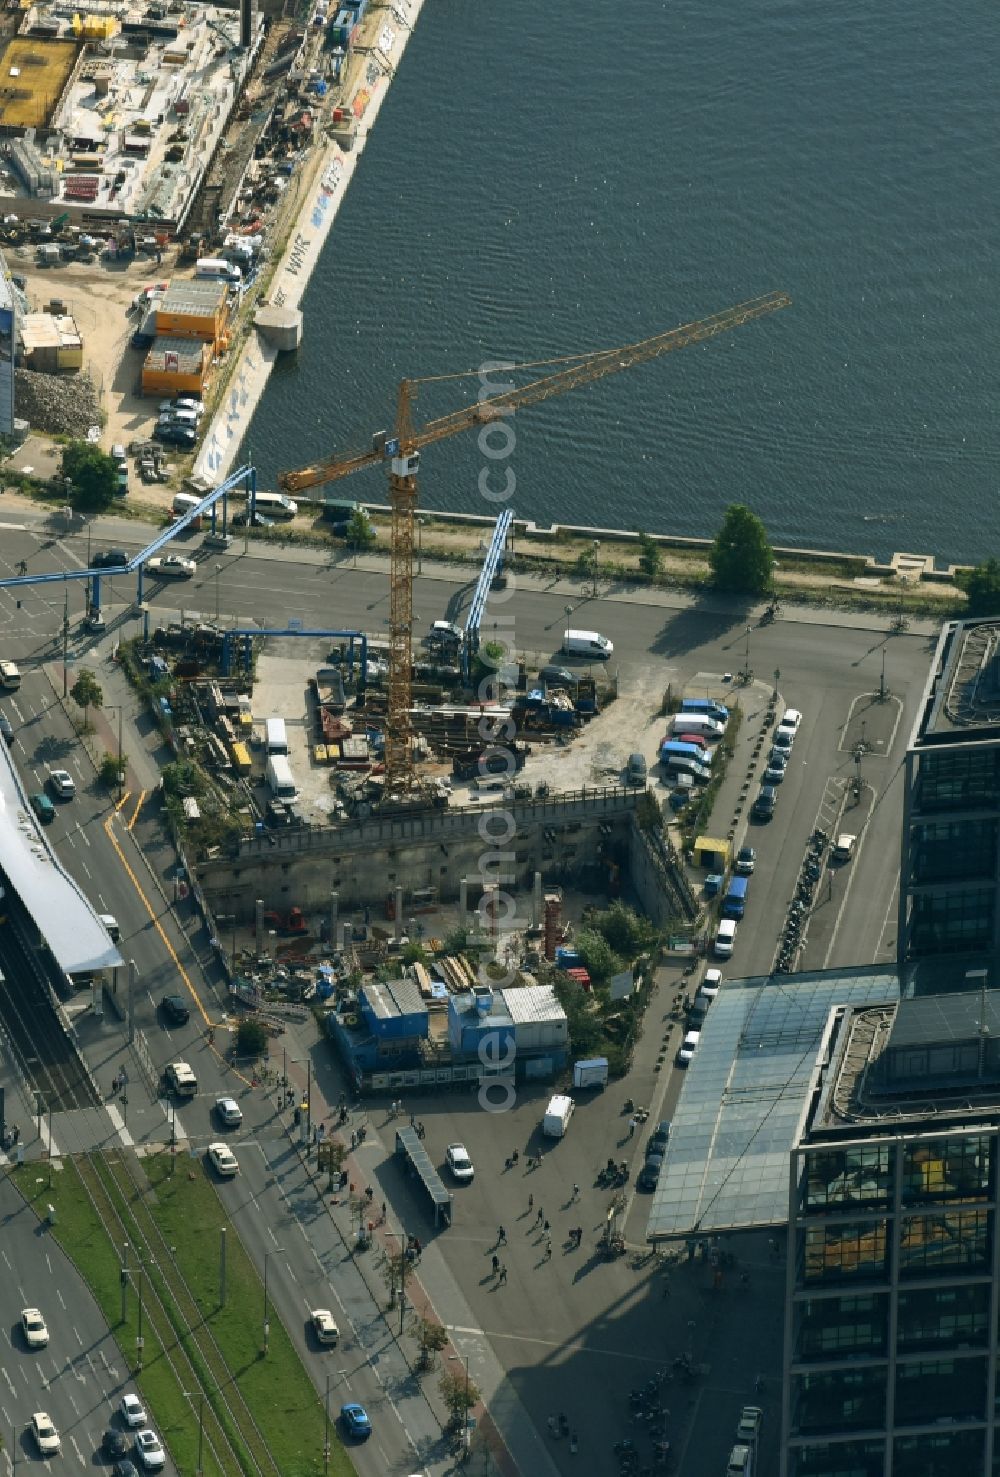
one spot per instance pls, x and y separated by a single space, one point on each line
403 453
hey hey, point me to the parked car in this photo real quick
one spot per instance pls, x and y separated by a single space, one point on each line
711 984
660 1138
778 757
556 676
6 729
109 559
763 806
257 521
636 772
774 774
649 1174
843 848
687 1048
746 861
173 434
172 566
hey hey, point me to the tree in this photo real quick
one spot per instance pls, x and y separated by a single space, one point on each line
650 558
414 953
741 559
459 1394
251 1037
86 692
110 770
92 472
360 532
431 1339
625 930
982 587
600 959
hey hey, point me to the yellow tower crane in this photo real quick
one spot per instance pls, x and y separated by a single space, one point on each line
402 451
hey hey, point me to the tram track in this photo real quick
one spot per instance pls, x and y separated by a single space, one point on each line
113 1180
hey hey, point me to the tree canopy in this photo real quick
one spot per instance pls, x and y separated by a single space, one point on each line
741 559
982 587
92 472
360 532
86 691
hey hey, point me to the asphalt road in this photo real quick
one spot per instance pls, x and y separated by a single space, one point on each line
80 1376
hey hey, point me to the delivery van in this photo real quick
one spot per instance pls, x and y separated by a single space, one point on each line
275 505
557 1116
111 925
699 724
587 643
181 1079
275 736
734 904
10 676
280 778
183 503
725 939
215 267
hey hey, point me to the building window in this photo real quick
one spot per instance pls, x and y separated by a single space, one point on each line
951 1240
838 1459
838 1400
844 1177
945 1169
943 922
831 1327
940 1389
832 1253
969 780
943 1317
948 1455
947 851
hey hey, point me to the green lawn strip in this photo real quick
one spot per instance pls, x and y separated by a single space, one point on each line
284 1401
82 1237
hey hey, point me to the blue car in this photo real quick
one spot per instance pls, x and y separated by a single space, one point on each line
354 1419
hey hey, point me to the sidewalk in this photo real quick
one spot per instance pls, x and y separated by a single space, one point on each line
514 1445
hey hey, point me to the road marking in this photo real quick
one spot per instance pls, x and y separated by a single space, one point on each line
83 835
138 807
150 910
178 1129
89 873
118 1123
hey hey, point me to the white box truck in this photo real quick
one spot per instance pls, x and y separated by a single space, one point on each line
557 1116
280 778
275 736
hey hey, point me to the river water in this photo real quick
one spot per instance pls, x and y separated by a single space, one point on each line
552 176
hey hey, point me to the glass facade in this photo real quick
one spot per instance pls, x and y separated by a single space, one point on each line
894 1314
957 779
950 851
943 922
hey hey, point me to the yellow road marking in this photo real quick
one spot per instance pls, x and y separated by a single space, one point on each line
138 807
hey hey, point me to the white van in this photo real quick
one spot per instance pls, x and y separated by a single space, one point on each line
275 736
725 939
183 503
215 266
111 926
280 778
10 676
587 643
557 1116
276 505
700 724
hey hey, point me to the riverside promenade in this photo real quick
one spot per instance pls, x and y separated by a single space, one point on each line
331 176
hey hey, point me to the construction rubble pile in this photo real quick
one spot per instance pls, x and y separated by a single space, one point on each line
57 404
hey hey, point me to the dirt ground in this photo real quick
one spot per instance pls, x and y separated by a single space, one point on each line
99 297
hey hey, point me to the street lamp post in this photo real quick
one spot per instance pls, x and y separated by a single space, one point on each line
274 1251
420 545
65 639
326 1428
464 1359
118 708
139 1342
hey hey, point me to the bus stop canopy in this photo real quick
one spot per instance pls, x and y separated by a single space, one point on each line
418 1164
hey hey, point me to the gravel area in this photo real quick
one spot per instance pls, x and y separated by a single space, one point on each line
59 404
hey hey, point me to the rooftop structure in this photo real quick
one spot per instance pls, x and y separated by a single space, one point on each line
893 1268
64 918
745 1096
949 899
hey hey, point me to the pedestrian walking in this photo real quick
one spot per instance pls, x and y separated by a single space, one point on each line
354 1139
531 1203
539 1217
548 1250
574 1444
496 1264
545 1228
515 1157
503 1276
501 1236
665 1291
575 1195
631 1128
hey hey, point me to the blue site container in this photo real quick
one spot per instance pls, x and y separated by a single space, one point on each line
568 959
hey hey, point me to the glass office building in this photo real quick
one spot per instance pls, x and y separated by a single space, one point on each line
892 1309
949 901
